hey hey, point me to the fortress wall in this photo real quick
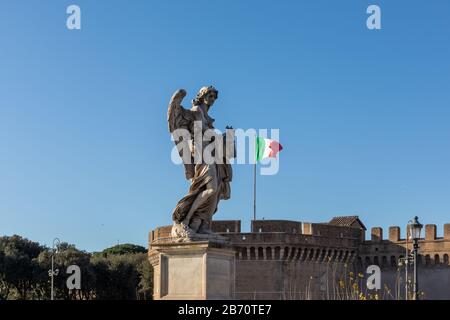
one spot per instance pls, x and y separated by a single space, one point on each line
293 260
226 226
160 233
334 232
434 282
433 250
433 261
287 280
276 226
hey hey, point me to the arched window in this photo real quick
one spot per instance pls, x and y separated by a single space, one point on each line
292 253
367 261
252 253
445 259
260 253
298 253
286 253
301 254
427 260
436 259
323 255
277 253
393 261
244 254
317 255
384 262
359 262
269 253
376 261
311 254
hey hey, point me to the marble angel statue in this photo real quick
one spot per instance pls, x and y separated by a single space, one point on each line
209 182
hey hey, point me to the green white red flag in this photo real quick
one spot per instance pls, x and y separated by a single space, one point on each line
267 148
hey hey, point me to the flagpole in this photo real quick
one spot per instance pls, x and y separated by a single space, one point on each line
254 191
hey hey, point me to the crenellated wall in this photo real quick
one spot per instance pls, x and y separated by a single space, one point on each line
434 251
433 259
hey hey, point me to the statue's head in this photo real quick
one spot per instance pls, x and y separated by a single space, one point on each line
206 96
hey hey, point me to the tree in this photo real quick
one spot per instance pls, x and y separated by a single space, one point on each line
19 270
4 284
66 256
117 277
145 270
112 260
122 249
120 272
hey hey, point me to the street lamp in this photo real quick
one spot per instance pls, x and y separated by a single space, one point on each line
54 272
415 229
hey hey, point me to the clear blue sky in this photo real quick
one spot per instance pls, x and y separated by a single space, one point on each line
84 148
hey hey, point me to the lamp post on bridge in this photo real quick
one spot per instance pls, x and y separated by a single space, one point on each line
52 272
415 229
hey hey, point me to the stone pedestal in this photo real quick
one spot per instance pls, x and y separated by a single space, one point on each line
192 271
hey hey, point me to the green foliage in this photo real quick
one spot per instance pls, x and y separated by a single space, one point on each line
146 282
117 278
121 272
66 256
122 249
19 268
123 277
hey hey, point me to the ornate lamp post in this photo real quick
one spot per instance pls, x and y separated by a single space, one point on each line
52 272
415 228
409 258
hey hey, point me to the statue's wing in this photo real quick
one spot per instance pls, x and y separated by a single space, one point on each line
181 118
177 116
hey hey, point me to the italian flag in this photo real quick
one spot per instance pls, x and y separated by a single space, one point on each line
267 148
